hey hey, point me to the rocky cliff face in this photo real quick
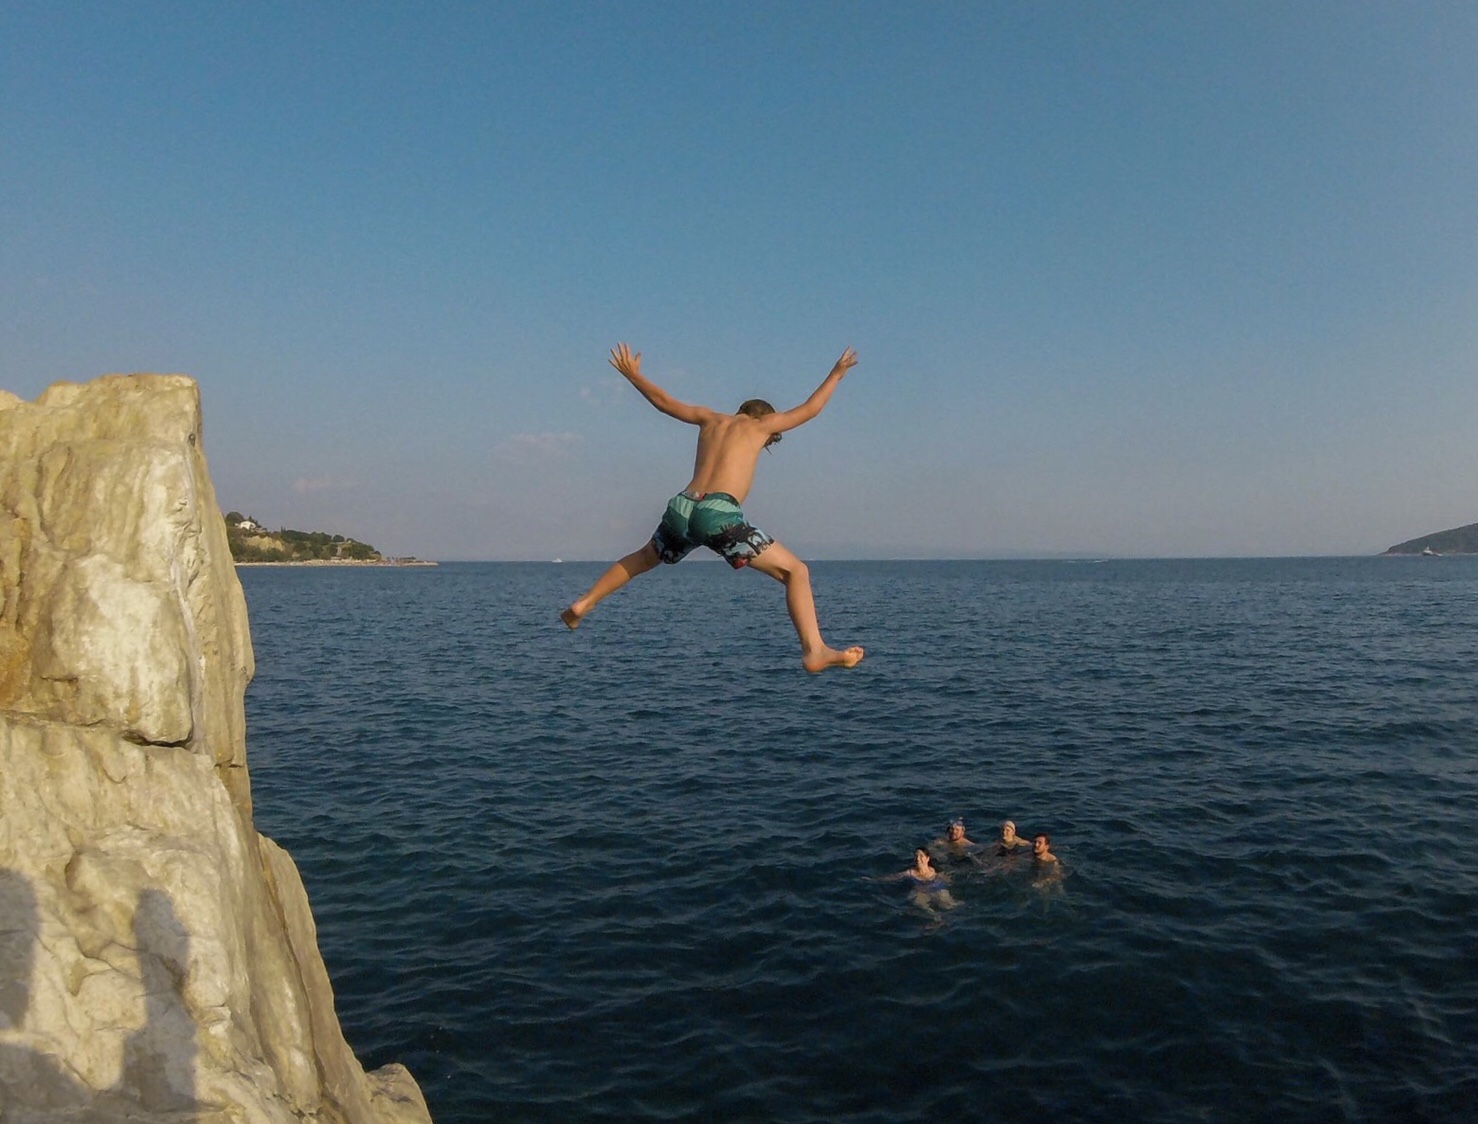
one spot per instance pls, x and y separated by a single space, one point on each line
158 959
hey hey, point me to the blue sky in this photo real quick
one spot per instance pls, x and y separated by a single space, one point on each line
1134 279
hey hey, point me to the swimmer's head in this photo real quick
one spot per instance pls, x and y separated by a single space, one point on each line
1040 842
921 857
1008 830
956 829
758 408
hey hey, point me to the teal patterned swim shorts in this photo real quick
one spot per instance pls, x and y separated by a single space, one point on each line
711 519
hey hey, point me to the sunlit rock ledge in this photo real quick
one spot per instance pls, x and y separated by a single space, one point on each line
158 958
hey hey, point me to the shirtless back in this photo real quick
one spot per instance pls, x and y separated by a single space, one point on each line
729 447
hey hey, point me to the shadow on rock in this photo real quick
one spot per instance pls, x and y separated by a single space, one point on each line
158 1071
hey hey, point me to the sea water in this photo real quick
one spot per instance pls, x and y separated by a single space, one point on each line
635 872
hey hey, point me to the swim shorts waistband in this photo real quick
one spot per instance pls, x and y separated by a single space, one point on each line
698 497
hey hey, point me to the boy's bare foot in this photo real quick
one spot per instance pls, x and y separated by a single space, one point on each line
829 657
570 617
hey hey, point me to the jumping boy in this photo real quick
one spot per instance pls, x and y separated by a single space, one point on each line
707 512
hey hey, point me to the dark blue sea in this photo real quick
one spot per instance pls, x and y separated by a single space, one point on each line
631 873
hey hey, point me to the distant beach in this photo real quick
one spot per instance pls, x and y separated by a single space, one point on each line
342 562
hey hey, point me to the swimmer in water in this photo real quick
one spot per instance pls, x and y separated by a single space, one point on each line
1047 867
1010 842
953 843
930 889
1042 849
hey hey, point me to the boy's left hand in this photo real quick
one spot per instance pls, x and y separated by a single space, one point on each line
623 359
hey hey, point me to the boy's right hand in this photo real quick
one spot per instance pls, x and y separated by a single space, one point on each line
625 361
845 363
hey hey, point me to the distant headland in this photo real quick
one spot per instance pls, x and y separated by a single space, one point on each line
1460 540
254 545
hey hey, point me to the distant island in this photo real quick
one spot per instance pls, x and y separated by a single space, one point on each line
252 544
1460 540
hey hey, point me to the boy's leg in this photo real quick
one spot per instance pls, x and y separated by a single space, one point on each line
782 565
637 562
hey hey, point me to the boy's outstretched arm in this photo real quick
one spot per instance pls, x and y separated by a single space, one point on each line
629 364
789 419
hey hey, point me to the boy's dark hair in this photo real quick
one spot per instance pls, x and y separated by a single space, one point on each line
758 408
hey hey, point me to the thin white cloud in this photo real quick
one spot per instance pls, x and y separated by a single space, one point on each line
604 391
536 448
304 485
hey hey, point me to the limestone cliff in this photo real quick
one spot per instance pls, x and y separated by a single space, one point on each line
158 959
